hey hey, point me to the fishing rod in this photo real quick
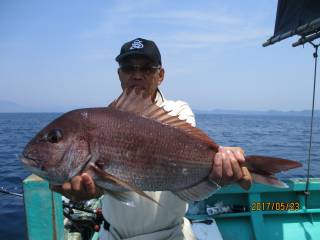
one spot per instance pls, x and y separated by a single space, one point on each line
5 191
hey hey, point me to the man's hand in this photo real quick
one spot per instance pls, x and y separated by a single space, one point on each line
80 188
226 167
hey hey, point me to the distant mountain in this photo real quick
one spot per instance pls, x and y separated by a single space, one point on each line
268 112
12 107
7 106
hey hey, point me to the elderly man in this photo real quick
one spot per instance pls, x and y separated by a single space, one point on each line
140 66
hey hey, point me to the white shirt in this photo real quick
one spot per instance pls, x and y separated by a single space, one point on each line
177 108
147 220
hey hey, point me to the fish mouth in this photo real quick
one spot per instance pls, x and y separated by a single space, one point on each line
34 166
29 161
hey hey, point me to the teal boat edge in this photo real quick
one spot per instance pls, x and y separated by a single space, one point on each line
43 210
265 212
269 213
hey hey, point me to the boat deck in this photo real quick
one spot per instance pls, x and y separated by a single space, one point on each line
269 213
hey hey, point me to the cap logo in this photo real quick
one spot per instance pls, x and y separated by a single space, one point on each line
136 44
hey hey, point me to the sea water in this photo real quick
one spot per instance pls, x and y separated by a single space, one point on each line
282 136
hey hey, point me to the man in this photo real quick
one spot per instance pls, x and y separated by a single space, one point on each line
140 66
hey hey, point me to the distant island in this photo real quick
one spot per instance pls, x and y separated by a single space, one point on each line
12 107
7 106
253 112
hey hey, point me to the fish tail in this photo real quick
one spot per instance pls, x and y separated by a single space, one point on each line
269 165
260 169
270 180
263 168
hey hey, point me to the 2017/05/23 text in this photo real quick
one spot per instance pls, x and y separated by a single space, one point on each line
275 206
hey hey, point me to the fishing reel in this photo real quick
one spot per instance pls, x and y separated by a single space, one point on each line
84 217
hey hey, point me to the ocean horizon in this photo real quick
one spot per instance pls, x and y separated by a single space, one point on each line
200 112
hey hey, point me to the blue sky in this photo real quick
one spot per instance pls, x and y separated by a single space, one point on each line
59 55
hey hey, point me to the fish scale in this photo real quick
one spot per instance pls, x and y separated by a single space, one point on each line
151 161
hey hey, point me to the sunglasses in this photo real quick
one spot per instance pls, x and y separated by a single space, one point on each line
145 69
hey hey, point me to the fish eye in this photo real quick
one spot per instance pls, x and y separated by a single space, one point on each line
54 136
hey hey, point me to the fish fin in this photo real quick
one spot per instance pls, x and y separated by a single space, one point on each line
270 180
123 197
136 101
198 192
263 168
132 100
120 182
246 180
269 165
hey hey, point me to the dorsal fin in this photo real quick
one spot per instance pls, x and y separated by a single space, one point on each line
132 101
138 102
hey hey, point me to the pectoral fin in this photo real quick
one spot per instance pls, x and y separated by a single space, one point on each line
198 192
121 183
123 197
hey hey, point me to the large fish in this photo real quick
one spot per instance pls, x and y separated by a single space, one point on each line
135 145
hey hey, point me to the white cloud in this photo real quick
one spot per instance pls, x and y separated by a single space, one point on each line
179 28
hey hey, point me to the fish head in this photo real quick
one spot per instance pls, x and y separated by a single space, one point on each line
60 150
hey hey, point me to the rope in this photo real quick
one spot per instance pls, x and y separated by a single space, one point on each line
315 55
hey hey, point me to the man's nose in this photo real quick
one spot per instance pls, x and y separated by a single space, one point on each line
137 74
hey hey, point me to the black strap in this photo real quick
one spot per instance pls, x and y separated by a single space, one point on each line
106 224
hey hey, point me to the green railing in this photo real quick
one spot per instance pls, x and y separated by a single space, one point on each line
43 209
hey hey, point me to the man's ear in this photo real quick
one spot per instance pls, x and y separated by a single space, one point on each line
121 80
161 76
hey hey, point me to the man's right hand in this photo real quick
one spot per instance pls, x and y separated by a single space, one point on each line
80 188
227 167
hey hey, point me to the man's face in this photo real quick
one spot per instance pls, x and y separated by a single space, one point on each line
140 72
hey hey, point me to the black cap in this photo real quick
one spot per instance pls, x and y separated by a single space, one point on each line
140 46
